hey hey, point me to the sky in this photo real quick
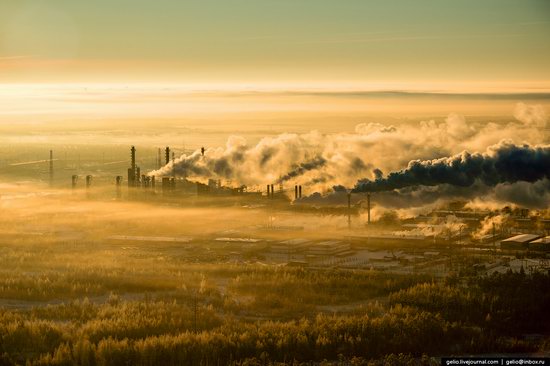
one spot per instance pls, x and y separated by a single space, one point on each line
262 67
467 45
335 90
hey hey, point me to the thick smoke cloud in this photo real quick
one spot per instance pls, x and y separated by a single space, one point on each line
427 155
535 195
502 163
303 168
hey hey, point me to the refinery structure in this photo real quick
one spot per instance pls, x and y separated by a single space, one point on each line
428 242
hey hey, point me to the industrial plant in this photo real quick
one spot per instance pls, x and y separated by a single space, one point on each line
492 240
274 183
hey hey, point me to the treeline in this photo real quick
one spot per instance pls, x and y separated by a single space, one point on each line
74 283
400 330
271 292
251 315
44 329
287 292
508 303
42 272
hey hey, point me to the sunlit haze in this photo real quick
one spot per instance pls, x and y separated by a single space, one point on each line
274 182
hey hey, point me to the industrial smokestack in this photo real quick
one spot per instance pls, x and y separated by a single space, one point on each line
133 157
295 192
299 191
132 168
272 192
51 167
131 177
268 193
202 151
88 181
167 155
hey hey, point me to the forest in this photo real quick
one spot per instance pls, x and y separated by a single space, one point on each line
99 305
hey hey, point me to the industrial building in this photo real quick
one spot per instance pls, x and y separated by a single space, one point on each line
167 188
330 248
392 239
527 223
540 245
238 240
290 246
134 173
489 238
127 239
518 242
215 187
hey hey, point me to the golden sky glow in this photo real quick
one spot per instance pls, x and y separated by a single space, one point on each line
296 65
277 42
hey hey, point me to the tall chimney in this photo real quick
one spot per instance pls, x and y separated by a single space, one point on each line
299 191
368 208
51 167
132 168
131 177
268 194
167 154
88 181
272 192
133 157
295 192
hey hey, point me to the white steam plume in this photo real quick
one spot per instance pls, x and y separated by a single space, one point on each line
320 162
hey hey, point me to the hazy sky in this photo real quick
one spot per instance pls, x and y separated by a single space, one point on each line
469 44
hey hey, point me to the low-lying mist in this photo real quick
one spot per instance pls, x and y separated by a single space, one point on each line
32 209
